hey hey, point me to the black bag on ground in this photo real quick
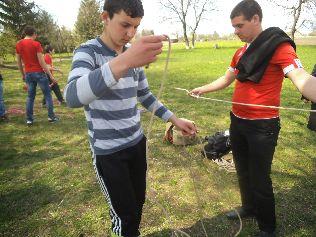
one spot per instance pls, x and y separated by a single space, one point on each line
217 145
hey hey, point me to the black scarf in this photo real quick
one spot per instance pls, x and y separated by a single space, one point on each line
255 60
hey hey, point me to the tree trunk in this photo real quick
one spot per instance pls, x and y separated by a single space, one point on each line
193 40
185 36
293 28
296 16
187 42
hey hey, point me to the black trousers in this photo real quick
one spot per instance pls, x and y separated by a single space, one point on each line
55 88
122 177
312 118
253 145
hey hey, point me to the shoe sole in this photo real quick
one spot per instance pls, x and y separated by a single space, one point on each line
53 121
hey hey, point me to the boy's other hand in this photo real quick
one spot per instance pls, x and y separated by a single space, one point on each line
187 127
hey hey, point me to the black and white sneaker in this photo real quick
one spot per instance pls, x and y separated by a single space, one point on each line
4 118
29 122
53 120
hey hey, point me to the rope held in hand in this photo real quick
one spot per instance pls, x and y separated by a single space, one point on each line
245 104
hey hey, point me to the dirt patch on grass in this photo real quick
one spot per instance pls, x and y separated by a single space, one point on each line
311 40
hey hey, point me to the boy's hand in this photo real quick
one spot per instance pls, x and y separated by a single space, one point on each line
144 50
141 52
196 92
53 81
187 127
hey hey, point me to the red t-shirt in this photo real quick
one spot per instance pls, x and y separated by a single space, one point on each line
268 90
48 60
28 49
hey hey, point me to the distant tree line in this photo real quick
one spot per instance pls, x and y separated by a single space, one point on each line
16 14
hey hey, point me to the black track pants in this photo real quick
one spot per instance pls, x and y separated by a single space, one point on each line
122 177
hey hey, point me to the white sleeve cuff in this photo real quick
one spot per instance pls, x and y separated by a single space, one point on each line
231 69
108 75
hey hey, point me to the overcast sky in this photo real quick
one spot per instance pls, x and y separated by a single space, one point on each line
65 13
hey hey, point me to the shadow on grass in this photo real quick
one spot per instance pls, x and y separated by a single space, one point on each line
217 226
294 207
17 205
23 159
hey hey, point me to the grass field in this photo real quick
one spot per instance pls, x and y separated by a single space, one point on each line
48 186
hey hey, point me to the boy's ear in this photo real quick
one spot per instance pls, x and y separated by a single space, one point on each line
256 19
105 17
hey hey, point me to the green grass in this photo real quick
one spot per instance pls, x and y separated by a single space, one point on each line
48 186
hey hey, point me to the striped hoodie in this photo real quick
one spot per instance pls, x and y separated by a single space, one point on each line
110 106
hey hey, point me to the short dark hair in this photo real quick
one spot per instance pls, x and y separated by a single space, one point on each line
48 48
247 8
133 8
29 30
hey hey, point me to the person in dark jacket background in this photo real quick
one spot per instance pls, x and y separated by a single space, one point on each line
312 116
3 115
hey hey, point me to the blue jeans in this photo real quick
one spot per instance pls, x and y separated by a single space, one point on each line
32 79
2 108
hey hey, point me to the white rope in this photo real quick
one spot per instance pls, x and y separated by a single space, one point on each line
240 224
245 104
151 190
199 201
159 93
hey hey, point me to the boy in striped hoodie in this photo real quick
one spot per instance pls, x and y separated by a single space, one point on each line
108 80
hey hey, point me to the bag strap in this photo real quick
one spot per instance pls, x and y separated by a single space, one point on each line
168 133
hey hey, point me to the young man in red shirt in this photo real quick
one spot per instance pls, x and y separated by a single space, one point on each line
30 52
259 68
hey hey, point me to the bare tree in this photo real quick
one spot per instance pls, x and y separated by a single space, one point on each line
189 13
199 7
180 9
300 12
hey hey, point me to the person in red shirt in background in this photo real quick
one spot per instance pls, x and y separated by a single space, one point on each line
30 52
49 50
254 130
